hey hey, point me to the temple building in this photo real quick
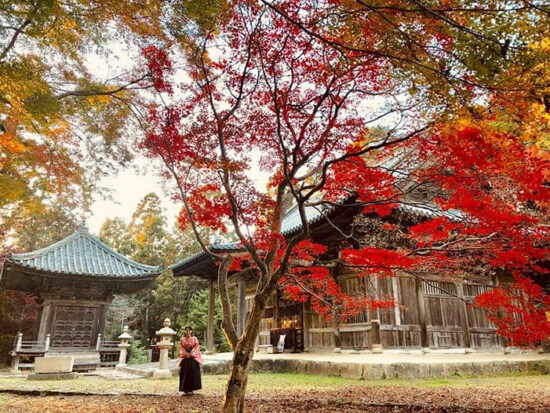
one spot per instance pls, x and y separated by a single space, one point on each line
433 312
75 280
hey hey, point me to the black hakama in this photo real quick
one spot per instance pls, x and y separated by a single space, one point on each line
190 375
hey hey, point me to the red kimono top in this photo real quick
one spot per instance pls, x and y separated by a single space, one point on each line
195 352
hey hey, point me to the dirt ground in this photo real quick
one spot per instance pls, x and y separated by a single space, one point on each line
297 393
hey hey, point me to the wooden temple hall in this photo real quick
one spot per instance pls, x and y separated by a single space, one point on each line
75 280
433 313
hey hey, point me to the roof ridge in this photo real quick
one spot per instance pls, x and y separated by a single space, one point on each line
117 254
45 250
78 240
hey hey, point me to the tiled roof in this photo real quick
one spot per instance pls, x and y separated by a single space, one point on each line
82 253
292 223
430 211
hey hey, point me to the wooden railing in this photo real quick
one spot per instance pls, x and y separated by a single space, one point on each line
109 345
28 346
24 351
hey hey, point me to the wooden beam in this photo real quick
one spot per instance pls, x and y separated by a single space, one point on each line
421 314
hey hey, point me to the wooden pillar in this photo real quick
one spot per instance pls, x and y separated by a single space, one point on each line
395 290
101 313
375 338
46 320
241 306
467 341
421 315
210 347
305 324
276 313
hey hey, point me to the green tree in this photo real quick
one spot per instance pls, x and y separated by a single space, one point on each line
27 230
61 125
183 300
197 318
113 232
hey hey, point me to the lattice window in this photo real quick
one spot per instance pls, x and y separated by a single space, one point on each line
438 288
473 290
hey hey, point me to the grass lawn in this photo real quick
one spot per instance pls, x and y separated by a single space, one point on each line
287 393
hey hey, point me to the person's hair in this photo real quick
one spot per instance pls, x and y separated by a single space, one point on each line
188 327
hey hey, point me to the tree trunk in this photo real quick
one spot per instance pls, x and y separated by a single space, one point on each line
234 397
233 400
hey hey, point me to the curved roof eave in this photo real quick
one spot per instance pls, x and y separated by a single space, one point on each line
83 254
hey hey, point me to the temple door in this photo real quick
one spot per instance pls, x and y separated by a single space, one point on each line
74 326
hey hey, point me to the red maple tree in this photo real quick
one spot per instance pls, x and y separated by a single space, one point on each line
264 94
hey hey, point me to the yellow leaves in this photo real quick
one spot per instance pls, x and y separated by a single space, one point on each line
99 101
543 45
540 111
536 127
68 25
141 238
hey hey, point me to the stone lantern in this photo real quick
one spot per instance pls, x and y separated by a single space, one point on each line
124 345
165 343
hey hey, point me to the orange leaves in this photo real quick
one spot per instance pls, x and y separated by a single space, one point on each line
10 144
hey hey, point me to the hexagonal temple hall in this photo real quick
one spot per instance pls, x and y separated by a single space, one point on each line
75 280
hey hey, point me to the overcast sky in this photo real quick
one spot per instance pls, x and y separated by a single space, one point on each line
127 188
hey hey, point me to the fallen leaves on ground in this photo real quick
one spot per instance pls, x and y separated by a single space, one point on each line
347 399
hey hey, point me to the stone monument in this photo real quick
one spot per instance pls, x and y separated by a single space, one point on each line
124 345
165 343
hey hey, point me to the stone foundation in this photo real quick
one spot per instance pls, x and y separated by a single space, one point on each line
371 370
397 370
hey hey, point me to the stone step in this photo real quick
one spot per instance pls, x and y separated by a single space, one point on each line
83 360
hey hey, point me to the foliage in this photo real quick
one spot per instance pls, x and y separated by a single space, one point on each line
146 239
36 226
288 393
197 318
61 122
18 313
123 310
326 94
137 353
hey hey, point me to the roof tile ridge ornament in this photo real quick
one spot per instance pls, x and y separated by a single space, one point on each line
83 227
